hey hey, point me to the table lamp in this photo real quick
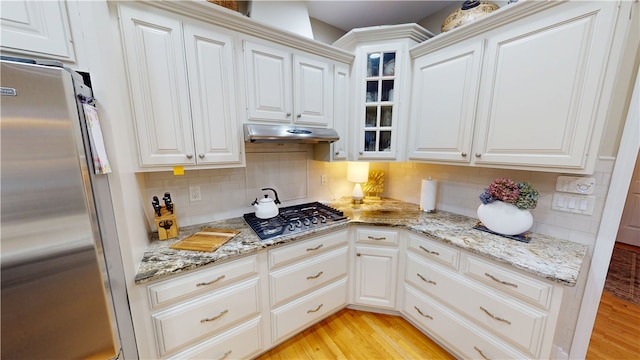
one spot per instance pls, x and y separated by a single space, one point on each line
357 172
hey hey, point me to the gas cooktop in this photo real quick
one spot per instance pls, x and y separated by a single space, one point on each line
295 219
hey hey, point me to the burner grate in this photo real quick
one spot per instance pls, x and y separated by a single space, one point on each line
294 219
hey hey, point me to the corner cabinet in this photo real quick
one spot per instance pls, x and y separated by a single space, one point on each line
287 87
381 79
181 79
539 82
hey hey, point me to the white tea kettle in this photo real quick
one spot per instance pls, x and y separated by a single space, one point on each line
266 208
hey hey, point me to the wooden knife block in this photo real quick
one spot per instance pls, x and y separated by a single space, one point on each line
166 223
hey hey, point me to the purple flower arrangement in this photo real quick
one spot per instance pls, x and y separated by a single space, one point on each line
521 194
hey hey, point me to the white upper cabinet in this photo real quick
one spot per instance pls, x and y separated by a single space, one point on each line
286 87
39 28
181 78
529 93
210 65
541 86
342 101
444 97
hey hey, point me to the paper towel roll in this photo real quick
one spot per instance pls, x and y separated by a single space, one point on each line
428 193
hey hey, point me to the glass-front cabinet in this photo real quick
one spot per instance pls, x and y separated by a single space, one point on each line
379 105
380 111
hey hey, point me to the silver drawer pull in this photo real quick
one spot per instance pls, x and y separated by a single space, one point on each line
481 353
225 355
210 282
495 317
315 248
425 280
423 314
315 276
315 310
500 281
215 317
376 238
429 251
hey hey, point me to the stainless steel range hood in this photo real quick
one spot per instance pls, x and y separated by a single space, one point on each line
288 134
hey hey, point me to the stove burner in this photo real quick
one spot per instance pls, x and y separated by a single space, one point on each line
294 219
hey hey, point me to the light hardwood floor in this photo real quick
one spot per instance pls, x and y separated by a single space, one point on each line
351 334
616 333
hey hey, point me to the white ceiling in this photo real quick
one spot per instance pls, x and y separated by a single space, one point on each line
349 14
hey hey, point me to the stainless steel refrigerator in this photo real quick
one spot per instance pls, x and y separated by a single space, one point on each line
63 293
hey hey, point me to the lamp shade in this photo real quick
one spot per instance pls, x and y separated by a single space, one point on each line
358 172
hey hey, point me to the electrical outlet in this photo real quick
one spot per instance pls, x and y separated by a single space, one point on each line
323 179
194 193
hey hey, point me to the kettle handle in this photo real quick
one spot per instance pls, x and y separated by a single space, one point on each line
254 201
277 201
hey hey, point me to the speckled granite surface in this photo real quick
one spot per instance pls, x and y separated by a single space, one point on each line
545 256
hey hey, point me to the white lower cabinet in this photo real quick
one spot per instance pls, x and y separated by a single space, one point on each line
204 311
474 307
376 267
516 314
241 342
460 336
307 282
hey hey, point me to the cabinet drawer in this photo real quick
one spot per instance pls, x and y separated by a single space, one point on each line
192 320
508 318
201 281
376 236
435 251
465 339
531 290
303 312
240 342
299 278
291 253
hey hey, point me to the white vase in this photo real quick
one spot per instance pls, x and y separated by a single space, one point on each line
504 218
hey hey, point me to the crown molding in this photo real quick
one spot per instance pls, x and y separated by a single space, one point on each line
505 15
355 37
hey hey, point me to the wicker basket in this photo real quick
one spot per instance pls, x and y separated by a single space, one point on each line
229 4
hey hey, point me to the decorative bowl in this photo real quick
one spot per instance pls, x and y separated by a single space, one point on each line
469 11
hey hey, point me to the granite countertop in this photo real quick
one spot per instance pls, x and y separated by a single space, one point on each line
545 256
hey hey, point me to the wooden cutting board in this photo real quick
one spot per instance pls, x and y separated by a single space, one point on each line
207 239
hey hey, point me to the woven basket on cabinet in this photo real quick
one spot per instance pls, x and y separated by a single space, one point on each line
229 4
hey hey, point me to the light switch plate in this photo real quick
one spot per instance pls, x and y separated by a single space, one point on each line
576 184
577 204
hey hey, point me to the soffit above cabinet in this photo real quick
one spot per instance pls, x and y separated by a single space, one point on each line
210 13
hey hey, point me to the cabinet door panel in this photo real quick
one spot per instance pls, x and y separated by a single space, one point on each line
38 27
376 270
158 84
444 102
212 88
268 83
541 86
341 119
313 84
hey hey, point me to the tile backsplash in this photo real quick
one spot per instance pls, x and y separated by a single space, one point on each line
297 178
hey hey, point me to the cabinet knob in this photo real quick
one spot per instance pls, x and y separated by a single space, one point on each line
464 154
478 155
299 116
189 156
358 254
288 114
337 153
361 153
201 156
